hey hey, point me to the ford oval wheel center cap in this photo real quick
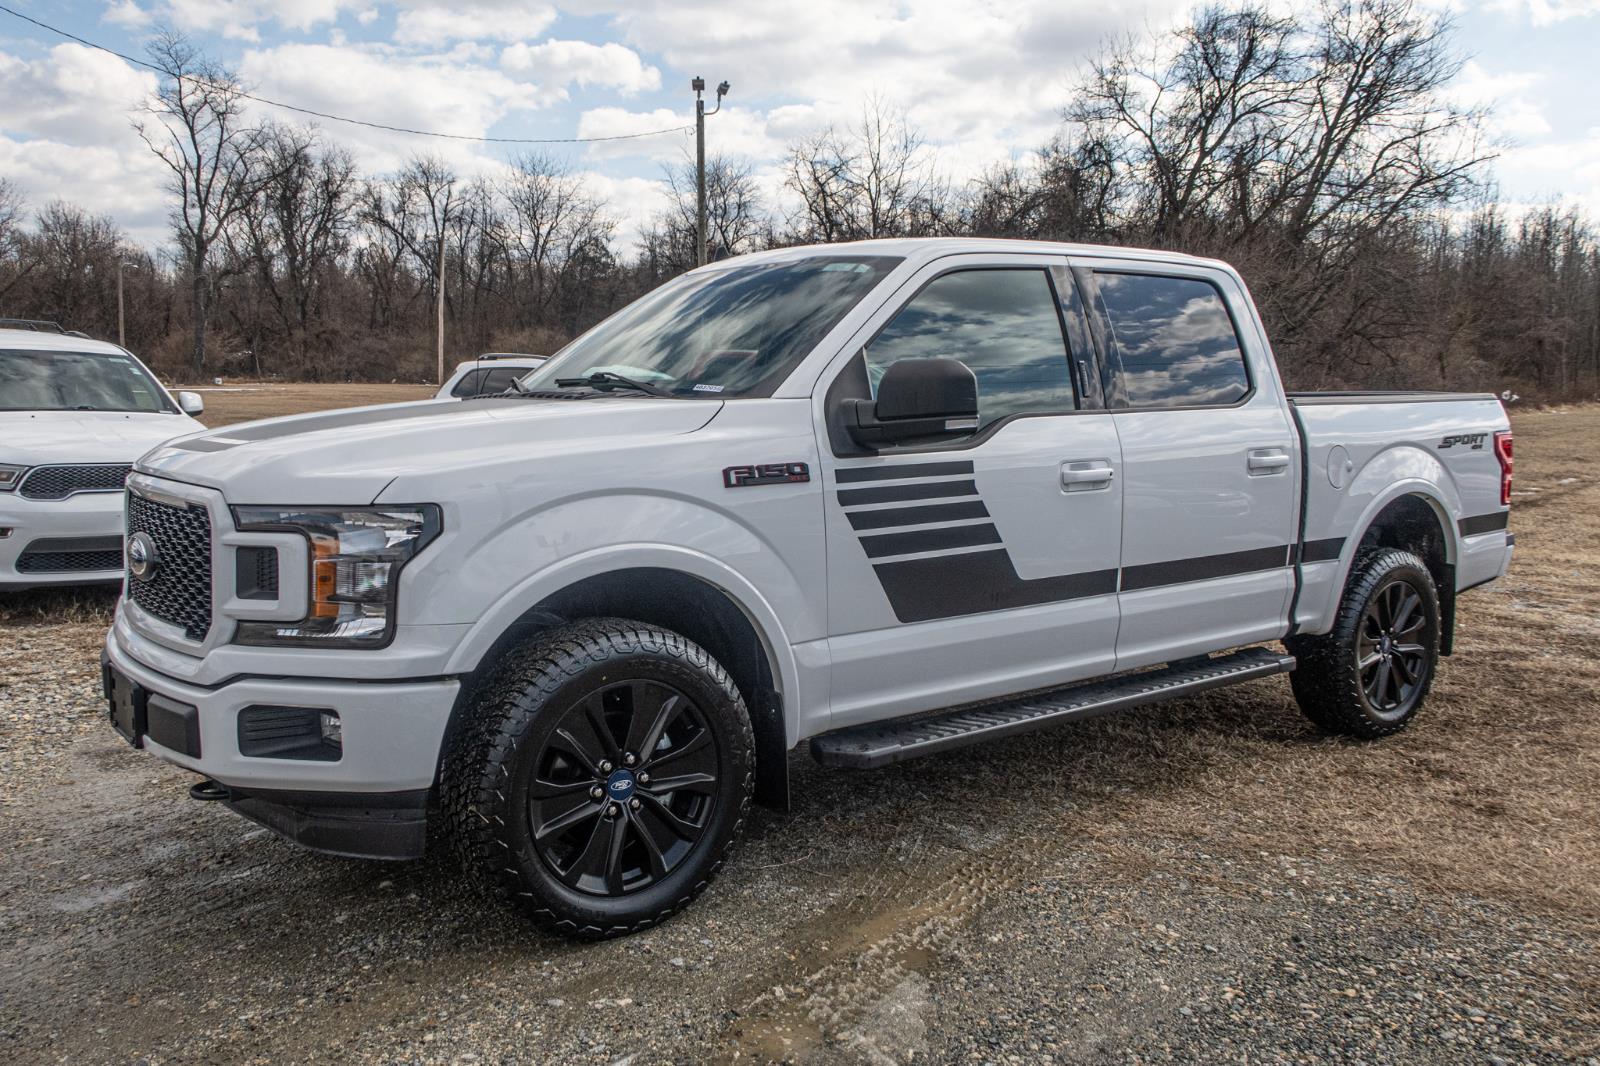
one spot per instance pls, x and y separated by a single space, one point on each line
619 786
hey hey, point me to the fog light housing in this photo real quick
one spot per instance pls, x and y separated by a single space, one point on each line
307 734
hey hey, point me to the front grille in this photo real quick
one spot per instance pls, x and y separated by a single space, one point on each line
70 555
179 589
59 482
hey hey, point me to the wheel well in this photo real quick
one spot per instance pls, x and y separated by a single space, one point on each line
1411 524
686 605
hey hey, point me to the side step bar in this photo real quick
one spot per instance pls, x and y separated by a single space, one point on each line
884 743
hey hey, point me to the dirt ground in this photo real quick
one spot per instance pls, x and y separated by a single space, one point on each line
1209 880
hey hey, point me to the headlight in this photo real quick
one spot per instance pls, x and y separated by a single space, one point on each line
10 476
356 558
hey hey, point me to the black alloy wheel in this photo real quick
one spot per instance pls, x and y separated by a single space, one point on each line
623 787
1392 654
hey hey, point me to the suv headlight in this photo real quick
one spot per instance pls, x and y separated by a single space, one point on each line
10 476
356 557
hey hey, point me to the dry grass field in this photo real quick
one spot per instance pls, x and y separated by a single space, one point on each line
1207 880
244 401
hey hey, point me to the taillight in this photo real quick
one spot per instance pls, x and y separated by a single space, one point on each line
1502 452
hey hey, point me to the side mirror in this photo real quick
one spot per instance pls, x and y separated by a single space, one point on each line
917 398
190 403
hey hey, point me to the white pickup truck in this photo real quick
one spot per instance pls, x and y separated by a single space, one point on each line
889 498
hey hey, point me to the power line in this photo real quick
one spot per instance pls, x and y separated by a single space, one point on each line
325 115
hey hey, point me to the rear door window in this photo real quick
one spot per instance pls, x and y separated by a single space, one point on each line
1175 340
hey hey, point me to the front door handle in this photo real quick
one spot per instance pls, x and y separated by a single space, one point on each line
1268 461
1085 474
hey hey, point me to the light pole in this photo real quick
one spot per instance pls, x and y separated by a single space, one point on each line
700 113
122 321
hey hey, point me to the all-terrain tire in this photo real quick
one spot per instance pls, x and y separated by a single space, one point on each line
522 732
1331 685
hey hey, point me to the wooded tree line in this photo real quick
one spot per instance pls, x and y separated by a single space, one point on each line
1317 152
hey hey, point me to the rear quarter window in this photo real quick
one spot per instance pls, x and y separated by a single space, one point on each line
1175 340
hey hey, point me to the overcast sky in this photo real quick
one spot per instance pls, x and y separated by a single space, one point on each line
984 81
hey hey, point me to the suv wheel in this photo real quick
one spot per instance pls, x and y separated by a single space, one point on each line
1370 675
601 778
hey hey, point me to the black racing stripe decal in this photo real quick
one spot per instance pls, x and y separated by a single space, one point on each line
929 540
888 472
916 516
947 586
900 493
1320 551
1484 523
1180 571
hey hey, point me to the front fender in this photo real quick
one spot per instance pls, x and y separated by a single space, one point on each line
560 545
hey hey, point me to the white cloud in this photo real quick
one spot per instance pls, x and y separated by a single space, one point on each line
1548 12
1558 171
127 13
436 93
72 93
554 63
632 201
434 23
125 182
1514 111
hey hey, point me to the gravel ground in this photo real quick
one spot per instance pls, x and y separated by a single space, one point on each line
1200 882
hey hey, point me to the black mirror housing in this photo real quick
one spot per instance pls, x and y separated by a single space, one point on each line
917 398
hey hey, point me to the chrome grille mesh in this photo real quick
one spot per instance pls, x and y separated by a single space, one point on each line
59 482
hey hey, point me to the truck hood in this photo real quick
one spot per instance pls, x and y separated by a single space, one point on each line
34 438
347 457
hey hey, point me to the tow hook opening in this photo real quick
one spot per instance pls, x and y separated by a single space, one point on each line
208 791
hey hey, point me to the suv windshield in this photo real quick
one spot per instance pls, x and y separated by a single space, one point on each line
32 380
733 332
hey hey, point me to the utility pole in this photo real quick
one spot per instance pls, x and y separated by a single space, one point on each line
700 113
438 291
122 320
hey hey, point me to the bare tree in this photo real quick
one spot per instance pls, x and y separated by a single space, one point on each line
1194 113
14 265
198 128
294 228
414 210
876 180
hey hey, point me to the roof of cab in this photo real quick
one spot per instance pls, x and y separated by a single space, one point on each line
922 249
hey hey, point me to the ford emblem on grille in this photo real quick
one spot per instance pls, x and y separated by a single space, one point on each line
142 559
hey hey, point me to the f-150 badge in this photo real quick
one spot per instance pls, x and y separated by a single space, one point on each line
740 477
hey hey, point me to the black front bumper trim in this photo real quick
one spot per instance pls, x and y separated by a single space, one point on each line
357 825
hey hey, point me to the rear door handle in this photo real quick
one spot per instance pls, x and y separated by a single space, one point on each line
1081 475
1268 461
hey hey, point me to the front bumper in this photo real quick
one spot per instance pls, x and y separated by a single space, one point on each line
391 738
54 531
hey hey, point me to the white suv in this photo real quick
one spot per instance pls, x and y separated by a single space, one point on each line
488 374
74 415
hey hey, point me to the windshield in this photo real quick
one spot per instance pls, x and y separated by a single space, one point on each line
76 381
733 332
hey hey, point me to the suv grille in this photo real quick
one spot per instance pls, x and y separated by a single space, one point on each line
59 482
68 555
179 591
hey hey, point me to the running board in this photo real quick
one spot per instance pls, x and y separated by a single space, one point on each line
884 743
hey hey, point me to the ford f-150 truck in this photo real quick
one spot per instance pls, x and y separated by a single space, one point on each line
886 498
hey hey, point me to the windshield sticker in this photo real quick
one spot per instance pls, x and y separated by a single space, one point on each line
707 388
